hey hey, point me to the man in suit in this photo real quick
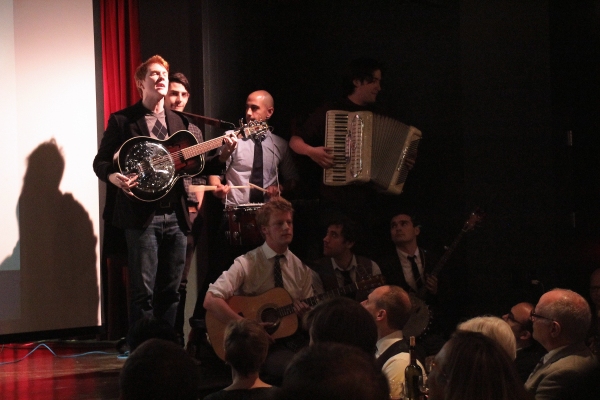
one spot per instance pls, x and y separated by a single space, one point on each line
529 351
561 320
390 307
409 264
155 231
340 266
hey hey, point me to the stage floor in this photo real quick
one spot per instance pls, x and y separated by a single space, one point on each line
44 376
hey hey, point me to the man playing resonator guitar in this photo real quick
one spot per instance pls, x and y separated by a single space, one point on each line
156 229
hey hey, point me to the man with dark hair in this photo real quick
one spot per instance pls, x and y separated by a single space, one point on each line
179 92
155 231
529 351
266 267
390 307
333 371
561 320
176 99
363 203
341 267
159 369
408 264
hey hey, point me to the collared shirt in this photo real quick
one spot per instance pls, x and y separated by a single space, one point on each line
252 274
277 162
407 267
394 367
551 353
318 284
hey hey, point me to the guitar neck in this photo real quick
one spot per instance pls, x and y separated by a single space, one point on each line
314 300
440 264
202 148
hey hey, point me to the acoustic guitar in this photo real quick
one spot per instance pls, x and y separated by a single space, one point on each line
276 307
421 314
158 164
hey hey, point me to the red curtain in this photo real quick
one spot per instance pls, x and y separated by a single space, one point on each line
120 53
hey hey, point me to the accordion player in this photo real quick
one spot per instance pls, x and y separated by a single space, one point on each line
369 147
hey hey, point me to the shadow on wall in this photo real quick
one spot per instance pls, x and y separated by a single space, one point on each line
58 280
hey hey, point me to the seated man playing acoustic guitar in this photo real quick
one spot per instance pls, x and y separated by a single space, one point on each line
267 267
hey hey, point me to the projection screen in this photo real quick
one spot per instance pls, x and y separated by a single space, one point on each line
49 251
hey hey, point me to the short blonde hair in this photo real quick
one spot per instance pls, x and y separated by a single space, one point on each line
496 329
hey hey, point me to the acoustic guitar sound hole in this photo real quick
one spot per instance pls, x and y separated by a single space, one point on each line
270 316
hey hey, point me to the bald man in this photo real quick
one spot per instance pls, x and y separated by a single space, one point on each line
277 165
561 320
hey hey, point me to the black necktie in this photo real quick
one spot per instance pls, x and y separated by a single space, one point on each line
347 277
256 177
415 271
277 271
159 130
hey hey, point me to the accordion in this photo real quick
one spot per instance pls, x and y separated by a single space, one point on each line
369 147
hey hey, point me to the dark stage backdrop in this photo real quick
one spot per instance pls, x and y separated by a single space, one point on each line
494 86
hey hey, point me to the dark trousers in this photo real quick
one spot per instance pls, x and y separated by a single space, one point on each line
156 261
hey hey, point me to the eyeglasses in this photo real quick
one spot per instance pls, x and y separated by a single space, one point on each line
535 316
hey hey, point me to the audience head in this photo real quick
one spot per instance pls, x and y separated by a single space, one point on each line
246 346
147 328
333 371
159 370
361 80
595 288
390 307
561 317
179 92
145 82
259 106
519 320
342 320
473 366
494 328
341 236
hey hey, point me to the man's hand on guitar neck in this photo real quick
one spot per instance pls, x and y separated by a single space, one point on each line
229 145
301 308
123 182
431 284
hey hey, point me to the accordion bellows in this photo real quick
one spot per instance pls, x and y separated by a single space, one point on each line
369 147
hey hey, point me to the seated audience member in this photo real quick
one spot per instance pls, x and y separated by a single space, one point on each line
148 328
246 346
159 370
333 371
341 320
390 308
594 334
561 320
474 367
340 266
529 351
494 328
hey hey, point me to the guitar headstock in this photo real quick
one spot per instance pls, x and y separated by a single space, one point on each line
474 220
370 282
252 129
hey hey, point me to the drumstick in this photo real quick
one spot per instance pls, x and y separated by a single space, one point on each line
253 186
208 188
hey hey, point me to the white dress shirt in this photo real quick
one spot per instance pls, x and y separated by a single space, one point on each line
407 267
252 274
394 367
